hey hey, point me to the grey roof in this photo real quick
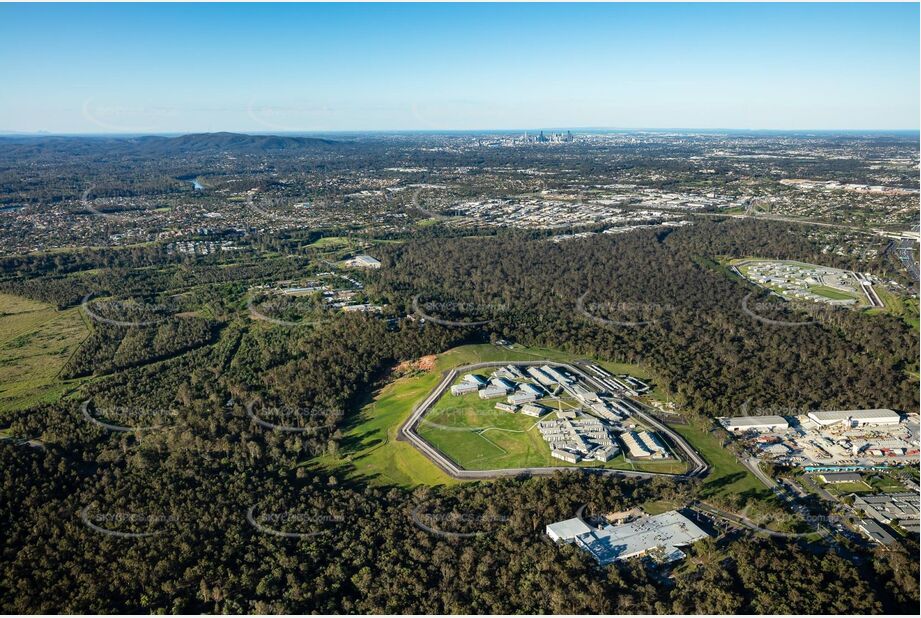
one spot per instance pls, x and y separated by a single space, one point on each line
842 477
568 529
879 414
876 532
754 421
668 531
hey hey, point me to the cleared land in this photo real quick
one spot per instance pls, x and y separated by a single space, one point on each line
35 342
828 292
904 307
727 476
370 449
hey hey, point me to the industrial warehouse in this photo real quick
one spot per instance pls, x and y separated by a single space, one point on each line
831 439
658 537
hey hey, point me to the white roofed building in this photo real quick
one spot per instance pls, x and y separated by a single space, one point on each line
567 530
755 423
855 418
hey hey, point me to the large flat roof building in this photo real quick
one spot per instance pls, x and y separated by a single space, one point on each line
889 507
567 530
662 534
755 423
520 398
565 455
540 376
463 388
875 532
364 261
491 392
881 416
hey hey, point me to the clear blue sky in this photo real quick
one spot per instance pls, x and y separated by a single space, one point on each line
264 68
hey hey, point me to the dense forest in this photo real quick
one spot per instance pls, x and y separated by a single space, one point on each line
185 517
672 305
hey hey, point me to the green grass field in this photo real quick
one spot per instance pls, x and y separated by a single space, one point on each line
35 342
905 307
832 293
370 450
843 489
476 436
727 475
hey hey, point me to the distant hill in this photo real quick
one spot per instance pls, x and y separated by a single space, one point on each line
158 145
236 142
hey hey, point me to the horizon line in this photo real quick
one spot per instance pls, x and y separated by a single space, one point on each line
589 129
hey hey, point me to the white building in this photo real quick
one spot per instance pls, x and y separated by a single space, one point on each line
520 398
660 535
540 376
463 388
756 423
533 409
475 379
605 453
364 261
567 530
491 392
856 418
565 456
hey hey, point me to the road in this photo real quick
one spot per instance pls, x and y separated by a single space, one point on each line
408 432
904 250
740 520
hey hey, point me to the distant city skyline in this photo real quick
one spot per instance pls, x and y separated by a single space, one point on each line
310 68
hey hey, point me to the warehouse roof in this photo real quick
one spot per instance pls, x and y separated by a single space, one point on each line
881 414
667 531
841 477
754 421
568 529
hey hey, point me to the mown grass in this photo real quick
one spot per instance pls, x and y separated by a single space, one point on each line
727 475
904 307
370 450
832 293
476 436
36 340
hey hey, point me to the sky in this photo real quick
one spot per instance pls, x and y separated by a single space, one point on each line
270 68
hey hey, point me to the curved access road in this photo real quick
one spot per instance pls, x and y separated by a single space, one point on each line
739 520
408 432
